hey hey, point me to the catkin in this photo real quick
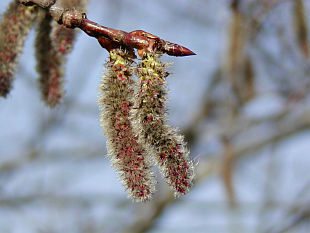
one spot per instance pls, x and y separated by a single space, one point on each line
53 43
49 64
14 27
115 102
63 38
148 119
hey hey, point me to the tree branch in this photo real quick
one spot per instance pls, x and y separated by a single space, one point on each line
143 41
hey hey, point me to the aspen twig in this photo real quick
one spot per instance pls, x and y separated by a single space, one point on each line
142 41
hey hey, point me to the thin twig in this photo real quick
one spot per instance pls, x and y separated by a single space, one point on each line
142 41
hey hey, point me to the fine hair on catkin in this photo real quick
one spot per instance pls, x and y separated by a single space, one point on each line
148 117
126 154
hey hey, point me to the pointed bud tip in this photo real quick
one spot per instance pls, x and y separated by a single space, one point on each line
182 52
185 52
190 53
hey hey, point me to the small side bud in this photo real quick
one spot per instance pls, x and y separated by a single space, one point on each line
72 18
14 27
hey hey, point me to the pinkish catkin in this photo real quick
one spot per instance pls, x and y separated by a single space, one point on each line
63 38
14 27
49 63
53 43
149 122
115 102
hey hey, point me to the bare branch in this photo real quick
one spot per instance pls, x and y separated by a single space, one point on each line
142 41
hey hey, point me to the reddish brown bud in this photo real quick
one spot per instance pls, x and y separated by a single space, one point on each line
144 42
176 50
72 18
107 43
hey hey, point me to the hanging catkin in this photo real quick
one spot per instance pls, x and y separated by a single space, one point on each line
49 65
14 27
127 156
165 145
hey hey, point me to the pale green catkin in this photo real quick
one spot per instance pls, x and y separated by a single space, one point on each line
149 122
115 102
14 28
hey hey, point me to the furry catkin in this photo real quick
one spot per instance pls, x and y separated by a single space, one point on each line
53 43
160 140
14 27
115 102
63 38
49 65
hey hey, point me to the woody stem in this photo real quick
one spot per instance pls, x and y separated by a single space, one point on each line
141 40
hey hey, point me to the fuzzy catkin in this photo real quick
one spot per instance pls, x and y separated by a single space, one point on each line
63 38
115 102
149 122
49 63
14 27
53 43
